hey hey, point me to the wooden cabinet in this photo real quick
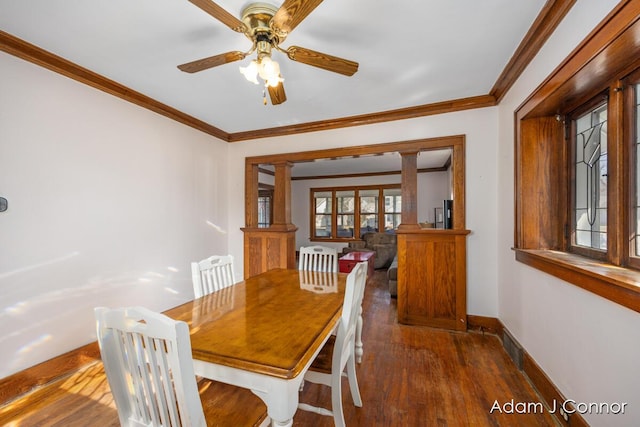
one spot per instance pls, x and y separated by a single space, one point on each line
266 248
432 278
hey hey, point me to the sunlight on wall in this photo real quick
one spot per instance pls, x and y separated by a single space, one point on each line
33 345
39 265
216 227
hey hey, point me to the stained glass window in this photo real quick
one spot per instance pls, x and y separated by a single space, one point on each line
590 210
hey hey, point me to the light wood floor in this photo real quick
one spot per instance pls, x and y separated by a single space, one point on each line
409 376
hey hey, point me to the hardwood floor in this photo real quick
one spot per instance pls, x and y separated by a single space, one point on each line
418 376
409 376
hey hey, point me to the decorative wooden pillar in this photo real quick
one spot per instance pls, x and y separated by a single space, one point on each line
282 197
274 246
409 188
432 275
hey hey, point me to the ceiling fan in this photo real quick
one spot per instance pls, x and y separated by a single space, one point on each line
267 26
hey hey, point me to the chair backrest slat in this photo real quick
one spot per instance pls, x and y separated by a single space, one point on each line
212 274
318 258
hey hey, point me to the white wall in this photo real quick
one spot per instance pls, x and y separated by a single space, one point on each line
433 188
108 204
587 345
480 128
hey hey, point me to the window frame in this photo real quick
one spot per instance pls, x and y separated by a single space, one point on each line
393 212
341 213
314 214
266 193
592 105
602 62
356 212
365 214
631 118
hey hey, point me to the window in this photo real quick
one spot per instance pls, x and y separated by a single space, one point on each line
604 217
357 211
345 201
634 123
577 178
369 220
633 119
589 182
322 212
265 208
392 208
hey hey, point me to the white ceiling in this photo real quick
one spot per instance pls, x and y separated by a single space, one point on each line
410 53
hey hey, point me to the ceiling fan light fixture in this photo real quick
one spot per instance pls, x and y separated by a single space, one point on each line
269 71
266 68
250 72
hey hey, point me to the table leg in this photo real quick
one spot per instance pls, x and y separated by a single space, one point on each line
280 395
281 398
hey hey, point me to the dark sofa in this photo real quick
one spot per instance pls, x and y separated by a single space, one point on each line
392 277
383 244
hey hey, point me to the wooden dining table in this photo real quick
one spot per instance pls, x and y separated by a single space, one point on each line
264 332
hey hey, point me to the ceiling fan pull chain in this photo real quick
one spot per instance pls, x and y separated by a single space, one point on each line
264 96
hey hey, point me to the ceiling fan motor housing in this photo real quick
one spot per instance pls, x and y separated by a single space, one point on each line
256 16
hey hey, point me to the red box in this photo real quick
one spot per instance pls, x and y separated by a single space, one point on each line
348 261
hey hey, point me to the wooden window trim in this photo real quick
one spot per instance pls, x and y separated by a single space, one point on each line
631 165
617 284
334 212
607 54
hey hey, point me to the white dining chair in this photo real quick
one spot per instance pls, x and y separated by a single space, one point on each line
212 274
149 367
339 351
318 258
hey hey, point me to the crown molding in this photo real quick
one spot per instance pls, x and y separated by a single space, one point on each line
544 25
368 119
547 20
36 55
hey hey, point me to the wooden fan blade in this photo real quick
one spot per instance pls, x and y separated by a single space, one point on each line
277 94
221 15
291 13
212 61
322 60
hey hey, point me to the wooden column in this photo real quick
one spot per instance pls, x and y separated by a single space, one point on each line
282 196
274 246
251 195
432 278
409 185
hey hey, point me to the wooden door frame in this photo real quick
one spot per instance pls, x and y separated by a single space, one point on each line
272 247
455 142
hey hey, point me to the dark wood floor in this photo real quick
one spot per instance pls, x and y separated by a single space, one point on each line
409 376
418 376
